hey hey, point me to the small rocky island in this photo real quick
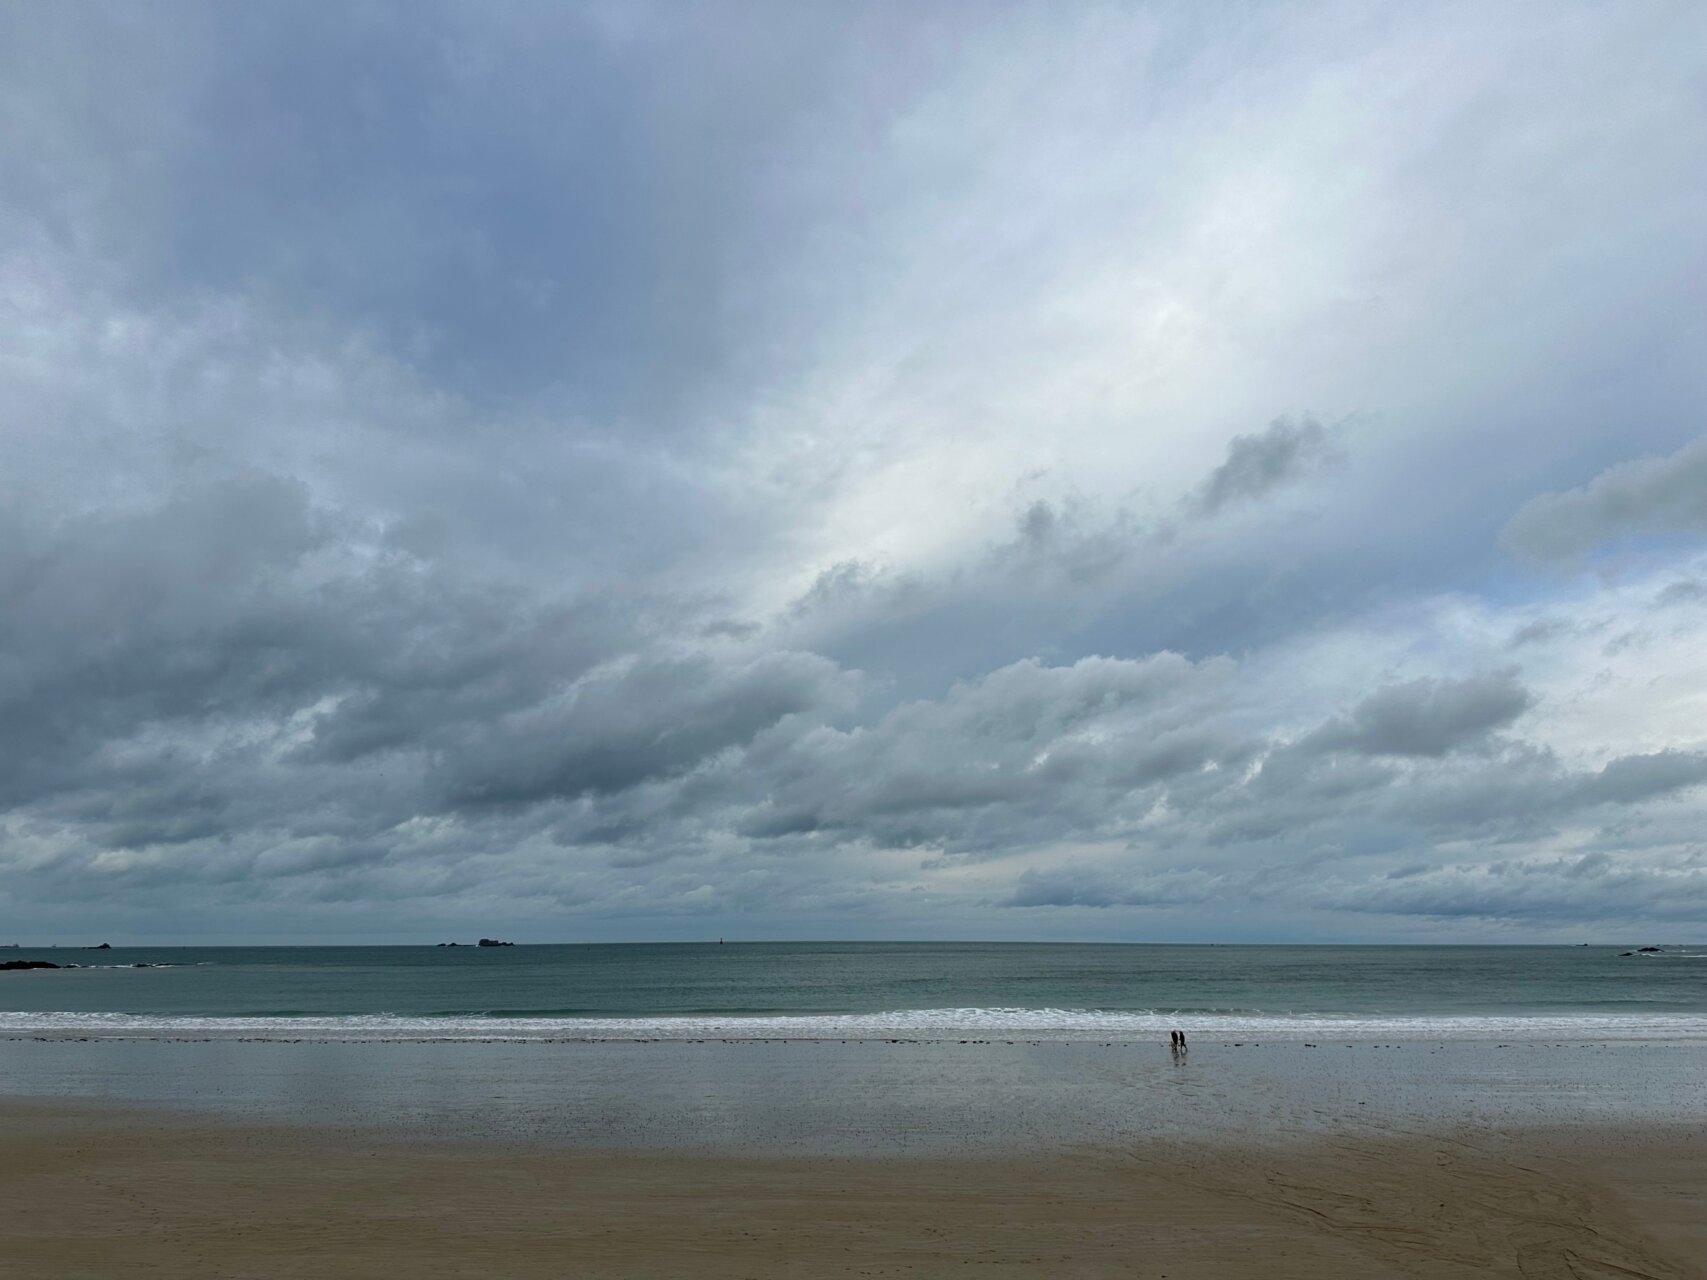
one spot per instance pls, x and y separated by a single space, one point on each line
484 942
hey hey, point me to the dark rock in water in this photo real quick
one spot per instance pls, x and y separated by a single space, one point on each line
141 964
30 964
1626 953
105 946
493 942
1648 949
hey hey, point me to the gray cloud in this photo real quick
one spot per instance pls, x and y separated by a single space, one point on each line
1083 887
1539 632
1259 464
1687 591
611 468
1629 779
1587 888
1027 751
613 730
1426 717
664 761
1664 495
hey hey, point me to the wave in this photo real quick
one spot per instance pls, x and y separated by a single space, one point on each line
951 1025
61 967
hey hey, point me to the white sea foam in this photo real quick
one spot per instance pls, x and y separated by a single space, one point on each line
909 1024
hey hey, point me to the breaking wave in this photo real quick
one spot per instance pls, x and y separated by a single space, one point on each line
952 1025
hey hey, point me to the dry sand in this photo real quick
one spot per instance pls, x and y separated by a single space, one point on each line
101 1193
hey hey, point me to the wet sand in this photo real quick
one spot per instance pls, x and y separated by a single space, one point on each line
90 1191
874 1098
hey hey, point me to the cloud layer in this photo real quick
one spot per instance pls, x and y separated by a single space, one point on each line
1647 496
687 470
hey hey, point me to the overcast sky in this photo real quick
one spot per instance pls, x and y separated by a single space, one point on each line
1153 472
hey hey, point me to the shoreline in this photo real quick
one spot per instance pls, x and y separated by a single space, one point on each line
930 1026
1198 1038
890 1097
102 1190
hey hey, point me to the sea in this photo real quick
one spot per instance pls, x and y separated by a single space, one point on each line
865 1048
859 990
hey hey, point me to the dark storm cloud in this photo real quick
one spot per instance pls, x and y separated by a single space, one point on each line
240 659
653 718
115 622
235 609
1666 495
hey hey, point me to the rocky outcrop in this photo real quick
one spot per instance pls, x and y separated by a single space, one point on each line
493 942
33 964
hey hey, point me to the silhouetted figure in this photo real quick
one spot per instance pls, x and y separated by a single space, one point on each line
1182 1044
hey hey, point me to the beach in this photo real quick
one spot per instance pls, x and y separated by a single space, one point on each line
745 638
358 1113
90 1191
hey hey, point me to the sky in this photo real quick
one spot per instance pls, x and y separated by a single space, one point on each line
1150 472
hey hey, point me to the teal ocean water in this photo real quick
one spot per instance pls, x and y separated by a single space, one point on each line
857 990
868 1047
